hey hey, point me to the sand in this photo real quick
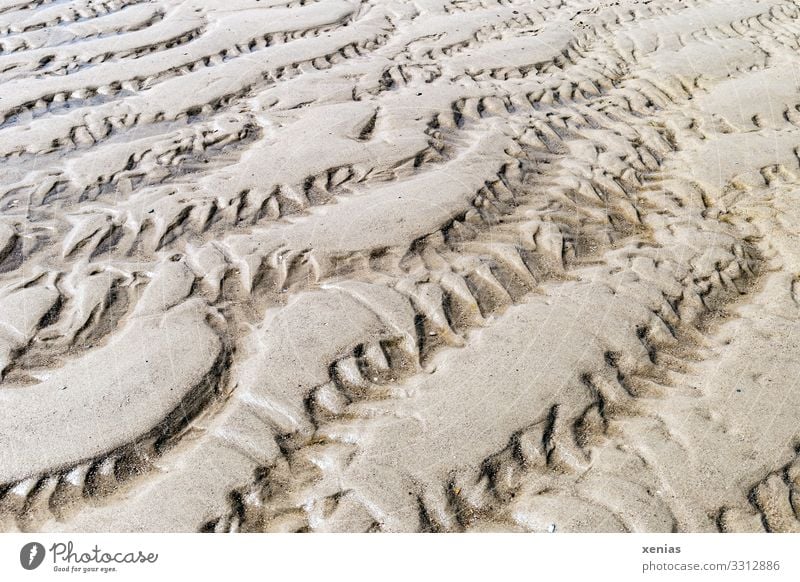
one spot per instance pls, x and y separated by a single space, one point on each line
427 265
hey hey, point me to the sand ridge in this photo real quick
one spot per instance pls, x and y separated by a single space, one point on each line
353 265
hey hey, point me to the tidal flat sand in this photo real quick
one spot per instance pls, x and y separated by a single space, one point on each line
383 265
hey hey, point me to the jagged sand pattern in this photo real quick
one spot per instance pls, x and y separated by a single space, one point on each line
366 265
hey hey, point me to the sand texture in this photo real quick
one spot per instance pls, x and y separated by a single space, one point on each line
383 265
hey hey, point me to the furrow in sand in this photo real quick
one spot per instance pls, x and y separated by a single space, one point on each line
204 91
129 19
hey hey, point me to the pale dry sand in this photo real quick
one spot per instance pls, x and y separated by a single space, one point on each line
428 265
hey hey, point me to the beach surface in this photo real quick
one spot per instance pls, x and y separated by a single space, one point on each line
427 265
